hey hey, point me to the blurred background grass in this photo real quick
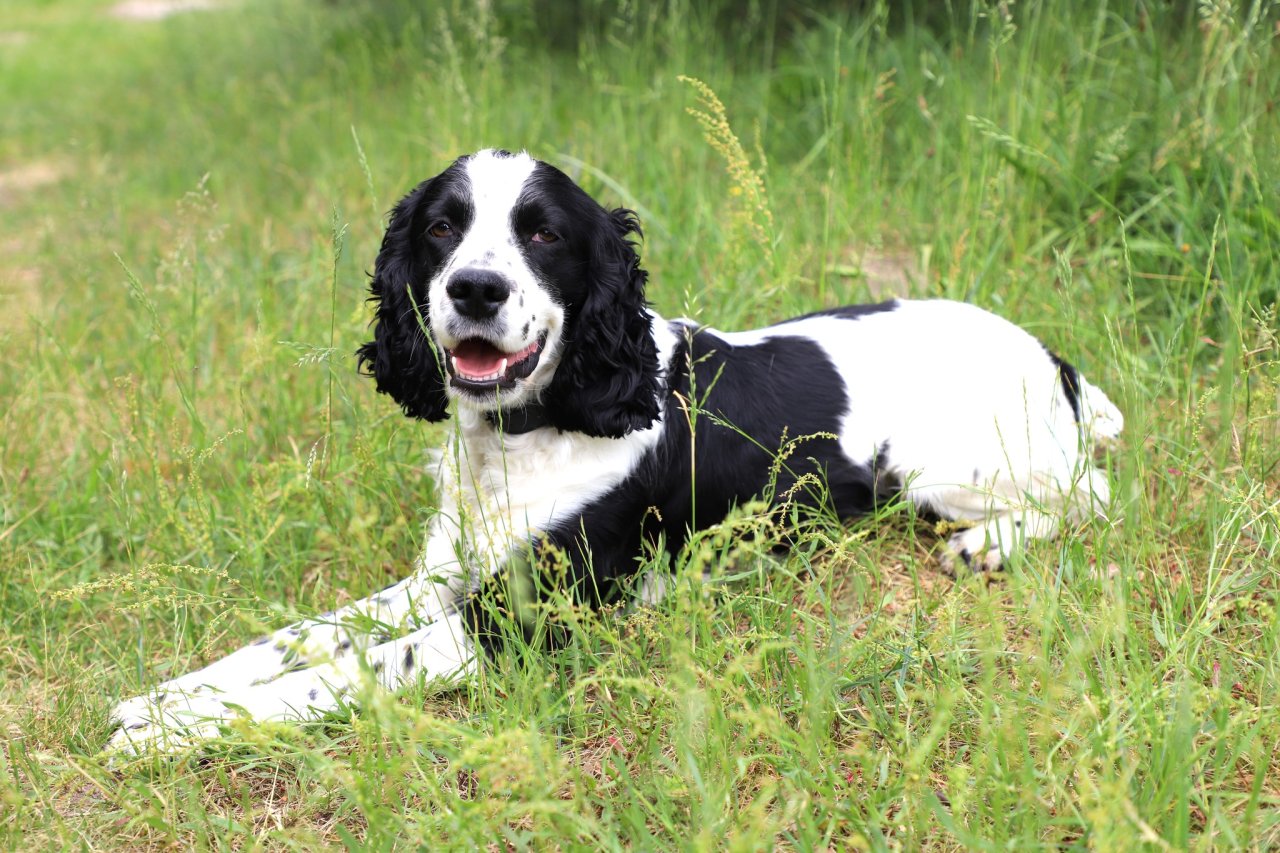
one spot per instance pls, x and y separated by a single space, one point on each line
188 207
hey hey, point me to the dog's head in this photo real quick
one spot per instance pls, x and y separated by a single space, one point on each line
501 284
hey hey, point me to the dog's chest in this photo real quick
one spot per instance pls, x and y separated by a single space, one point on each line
517 485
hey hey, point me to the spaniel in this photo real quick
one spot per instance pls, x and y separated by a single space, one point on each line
590 431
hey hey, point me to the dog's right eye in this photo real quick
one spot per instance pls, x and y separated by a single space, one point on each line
441 229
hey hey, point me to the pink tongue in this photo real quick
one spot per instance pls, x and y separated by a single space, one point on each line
477 358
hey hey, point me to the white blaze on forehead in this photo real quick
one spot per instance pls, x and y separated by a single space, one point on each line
496 183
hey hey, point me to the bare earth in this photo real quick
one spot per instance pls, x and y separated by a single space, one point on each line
155 10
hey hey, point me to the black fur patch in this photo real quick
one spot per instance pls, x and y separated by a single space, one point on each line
782 396
847 312
1070 379
401 357
607 383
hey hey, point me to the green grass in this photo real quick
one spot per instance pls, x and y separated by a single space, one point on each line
188 455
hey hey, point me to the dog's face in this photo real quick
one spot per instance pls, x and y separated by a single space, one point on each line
501 284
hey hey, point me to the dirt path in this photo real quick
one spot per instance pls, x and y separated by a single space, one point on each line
19 275
155 10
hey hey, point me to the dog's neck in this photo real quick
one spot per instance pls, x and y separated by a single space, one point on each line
520 420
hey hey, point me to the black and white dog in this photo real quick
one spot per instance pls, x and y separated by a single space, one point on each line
589 429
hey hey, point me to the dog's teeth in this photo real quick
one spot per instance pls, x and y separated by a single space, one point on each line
502 370
453 360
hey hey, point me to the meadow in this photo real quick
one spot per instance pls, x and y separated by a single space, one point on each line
189 207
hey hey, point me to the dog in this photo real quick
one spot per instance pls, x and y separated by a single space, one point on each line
591 430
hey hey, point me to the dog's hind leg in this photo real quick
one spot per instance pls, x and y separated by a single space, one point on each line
985 546
1009 513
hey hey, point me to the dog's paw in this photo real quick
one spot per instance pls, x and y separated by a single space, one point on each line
166 721
970 551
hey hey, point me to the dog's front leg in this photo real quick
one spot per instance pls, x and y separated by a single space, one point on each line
438 651
420 599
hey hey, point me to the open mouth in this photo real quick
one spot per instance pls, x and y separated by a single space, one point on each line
478 365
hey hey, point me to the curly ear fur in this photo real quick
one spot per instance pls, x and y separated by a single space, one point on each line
402 358
607 381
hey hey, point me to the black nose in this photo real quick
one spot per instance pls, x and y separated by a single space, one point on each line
477 294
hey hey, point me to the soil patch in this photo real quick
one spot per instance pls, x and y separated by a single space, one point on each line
19 276
155 10
887 272
25 178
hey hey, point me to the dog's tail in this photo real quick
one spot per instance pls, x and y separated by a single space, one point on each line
1100 419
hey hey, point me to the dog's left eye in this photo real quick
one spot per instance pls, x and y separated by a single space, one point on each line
543 235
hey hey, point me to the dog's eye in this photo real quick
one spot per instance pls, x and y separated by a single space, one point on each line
543 235
441 229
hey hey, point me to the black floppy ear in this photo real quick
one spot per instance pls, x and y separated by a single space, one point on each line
402 358
607 381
